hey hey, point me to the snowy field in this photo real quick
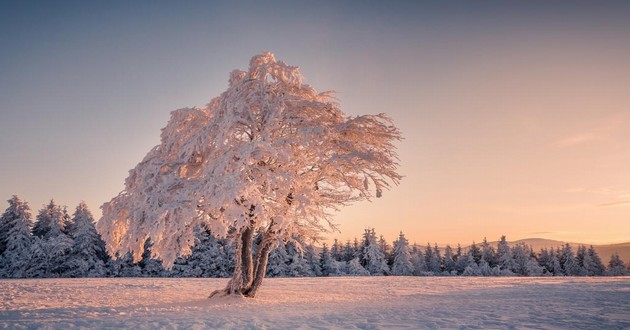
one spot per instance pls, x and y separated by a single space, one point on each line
320 303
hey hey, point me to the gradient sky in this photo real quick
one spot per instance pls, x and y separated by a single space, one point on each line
516 116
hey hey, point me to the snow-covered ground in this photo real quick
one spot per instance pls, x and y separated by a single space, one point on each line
320 303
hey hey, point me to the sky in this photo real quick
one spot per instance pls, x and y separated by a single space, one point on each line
515 116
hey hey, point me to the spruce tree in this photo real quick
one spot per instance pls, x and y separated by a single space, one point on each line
89 255
17 209
18 243
402 257
150 266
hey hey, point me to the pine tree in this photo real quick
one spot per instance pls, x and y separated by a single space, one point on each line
51 213
335 251
298 266
569 264
17 209
313 260
89 255
354 268
18 242
402 258
616 266
475 251
450 265
418 261
461 259
597 267
488 253
505 259
349 252
150 266
472 268
556 266
324 260
373 258
125 266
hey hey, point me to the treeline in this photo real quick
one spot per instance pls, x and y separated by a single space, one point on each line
57 244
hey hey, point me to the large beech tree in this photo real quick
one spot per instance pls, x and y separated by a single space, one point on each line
271 159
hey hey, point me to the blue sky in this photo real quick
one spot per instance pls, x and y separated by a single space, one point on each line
513 113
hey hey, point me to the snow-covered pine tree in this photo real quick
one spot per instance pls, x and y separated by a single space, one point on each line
18 209
313 260
125 266
488 253
324 260
354 268
51 247
556 266
567 259
278 262
373 259
450 265
418 261
16 221
150 266
461 259
387 251
335 250
89 256
49 214
475 251
402 257
436 264
472 268
349 252
504 257
597 267
271 156
616 266
520 256
297 264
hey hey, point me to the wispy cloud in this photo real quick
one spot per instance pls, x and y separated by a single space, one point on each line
614 197
615 203
604 130
578 139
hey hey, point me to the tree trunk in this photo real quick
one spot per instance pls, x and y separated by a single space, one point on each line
243 276
246 257
261 267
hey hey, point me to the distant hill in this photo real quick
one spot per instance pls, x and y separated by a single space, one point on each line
604 251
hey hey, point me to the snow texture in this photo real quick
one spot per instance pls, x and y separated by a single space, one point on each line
320 303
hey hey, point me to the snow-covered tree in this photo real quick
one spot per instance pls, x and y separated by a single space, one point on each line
271 156
16 221
488 253
616 266
450 265
418 261
312 259
596 266
89 256
505 260
50 215
150 266
354 268
335 250
568 261
372 258
278 262
402 257
125 266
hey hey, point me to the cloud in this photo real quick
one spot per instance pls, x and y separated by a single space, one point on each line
615 203
577 139
615 197
606 130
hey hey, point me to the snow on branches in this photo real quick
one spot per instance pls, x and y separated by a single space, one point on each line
270 155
